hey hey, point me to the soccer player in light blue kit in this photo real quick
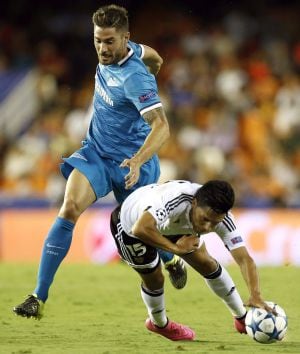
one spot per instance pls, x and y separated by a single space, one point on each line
127 129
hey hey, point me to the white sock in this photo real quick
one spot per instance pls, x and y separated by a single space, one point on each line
155 303
221 283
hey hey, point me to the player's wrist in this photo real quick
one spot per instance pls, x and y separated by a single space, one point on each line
179 251
255 293
255 297
139 159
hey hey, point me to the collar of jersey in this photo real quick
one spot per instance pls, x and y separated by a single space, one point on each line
128 56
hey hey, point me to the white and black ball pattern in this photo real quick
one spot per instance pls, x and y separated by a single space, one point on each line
161 214
265 327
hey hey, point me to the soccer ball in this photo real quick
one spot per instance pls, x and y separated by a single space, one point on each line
265 327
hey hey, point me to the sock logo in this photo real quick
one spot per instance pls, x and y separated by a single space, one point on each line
52 246
231 291
53 253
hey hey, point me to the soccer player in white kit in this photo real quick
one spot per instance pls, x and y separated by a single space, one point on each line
173 216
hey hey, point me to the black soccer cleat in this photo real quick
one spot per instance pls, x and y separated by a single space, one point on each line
32 307
177 272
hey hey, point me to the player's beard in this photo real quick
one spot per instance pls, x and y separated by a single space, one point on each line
112 58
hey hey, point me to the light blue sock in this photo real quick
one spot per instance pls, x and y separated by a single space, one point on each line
165 256
56 247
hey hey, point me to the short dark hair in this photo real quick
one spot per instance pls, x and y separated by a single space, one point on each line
111 16
216 194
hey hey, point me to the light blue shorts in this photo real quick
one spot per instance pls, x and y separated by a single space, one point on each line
105 175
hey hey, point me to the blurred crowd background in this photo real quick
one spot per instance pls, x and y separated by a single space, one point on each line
230 85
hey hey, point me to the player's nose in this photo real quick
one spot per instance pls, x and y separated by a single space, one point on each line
102 48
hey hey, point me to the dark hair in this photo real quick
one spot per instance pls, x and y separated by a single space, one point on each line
216 194
111 16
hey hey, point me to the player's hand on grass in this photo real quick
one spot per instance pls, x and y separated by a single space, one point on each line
134 171
187 244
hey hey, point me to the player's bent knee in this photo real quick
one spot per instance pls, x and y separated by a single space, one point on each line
210 266
70 210
203 263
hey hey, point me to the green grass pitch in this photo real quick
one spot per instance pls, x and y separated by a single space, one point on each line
96 309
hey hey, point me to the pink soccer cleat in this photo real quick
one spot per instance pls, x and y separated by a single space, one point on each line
239 324
173 331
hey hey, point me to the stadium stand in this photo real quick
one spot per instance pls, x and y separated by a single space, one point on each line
230 85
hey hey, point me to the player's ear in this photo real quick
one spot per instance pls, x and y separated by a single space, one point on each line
194 204
127 36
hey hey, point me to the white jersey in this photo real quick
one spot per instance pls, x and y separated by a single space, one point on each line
170 204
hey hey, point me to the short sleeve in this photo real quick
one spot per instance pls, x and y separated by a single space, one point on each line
141 89
229 233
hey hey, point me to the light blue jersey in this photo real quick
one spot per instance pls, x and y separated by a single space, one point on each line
123 92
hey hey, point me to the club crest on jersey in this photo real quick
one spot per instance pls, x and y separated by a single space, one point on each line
161 214
147 96
112 82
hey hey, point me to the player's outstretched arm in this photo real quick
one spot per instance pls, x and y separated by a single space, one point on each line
152 60
249 271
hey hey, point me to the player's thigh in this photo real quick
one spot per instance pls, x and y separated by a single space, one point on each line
93 167
140 256
201 260
79 189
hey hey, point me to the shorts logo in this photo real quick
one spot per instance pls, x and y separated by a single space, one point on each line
161 214
139 260
147 96
79 156
236 240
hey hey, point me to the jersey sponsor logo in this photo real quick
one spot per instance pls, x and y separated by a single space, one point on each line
78 156
103 94
147 96
161 214
236 240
